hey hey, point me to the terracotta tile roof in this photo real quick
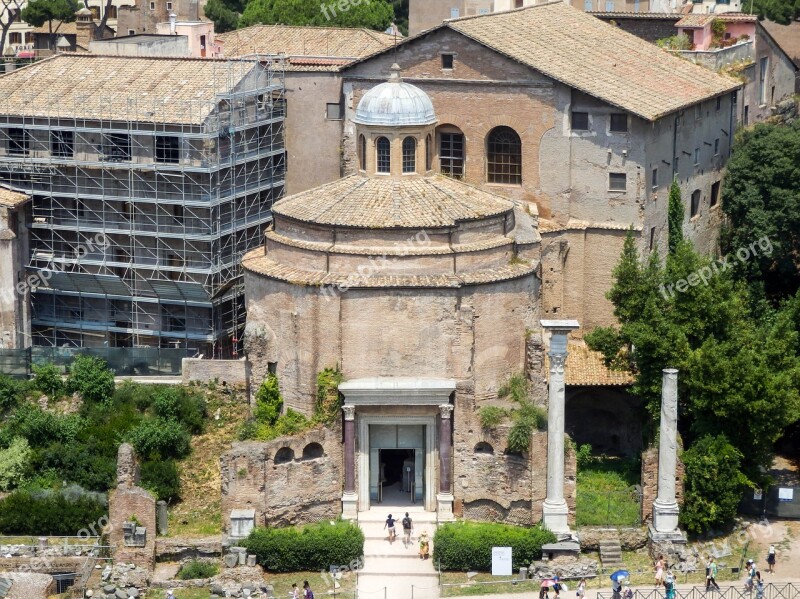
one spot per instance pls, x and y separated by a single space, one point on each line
786 36
650 16
161 90
549 226
342 42
585 367
597 58
701 20
11 199
59 28
256 261
387 202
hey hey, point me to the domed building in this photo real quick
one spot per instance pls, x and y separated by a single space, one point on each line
422 290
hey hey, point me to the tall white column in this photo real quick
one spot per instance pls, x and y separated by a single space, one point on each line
555 511
665 507
349 497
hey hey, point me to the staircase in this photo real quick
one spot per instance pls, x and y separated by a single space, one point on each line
391 566
611 553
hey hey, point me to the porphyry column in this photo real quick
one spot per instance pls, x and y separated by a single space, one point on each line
554 511
350 497
665 507
444 498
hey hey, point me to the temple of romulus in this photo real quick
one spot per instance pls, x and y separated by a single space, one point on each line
424 291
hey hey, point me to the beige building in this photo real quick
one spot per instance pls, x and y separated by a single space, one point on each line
313 58
14 243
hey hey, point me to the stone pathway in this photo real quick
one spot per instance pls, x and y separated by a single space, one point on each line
392 571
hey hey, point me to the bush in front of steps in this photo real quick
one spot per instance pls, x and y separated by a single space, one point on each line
464 546
48 512
312 547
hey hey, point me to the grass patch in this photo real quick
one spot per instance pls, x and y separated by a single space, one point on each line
606 495
197 569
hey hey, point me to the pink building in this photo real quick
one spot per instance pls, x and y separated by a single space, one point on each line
698 28
200 36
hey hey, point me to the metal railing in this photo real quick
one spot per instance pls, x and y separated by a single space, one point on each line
779 590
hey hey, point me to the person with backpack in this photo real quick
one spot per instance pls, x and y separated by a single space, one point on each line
390 525
712 574
759 586
669 585
408 527
307 592
771 559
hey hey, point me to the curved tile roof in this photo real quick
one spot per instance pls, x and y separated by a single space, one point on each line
383 202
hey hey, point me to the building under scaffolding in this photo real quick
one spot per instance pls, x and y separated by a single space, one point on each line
150 178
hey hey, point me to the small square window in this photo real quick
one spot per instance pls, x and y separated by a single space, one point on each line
695 202
454 13
131 32
580 121
18 142
618 123
617 181
714 200
168 149
447 61
654 178
169 5
152 6
333 111
716 147
696 156
62 144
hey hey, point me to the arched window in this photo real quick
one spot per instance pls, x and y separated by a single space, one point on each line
504 156
484 447
384 162
284 455
451 151
313 451
362 152
428 153
409 155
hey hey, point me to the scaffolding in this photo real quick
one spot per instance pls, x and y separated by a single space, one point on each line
139 224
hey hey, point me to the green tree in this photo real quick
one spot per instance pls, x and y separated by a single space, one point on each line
14 463
91 377
224 13
675 212
373 14
48 380
780 11
761 199
268 401
39 12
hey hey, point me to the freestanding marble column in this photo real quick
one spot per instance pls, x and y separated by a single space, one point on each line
350 497
444 498
555 511
665 507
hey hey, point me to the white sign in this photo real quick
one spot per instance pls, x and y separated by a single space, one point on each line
501 561
757 495
785 494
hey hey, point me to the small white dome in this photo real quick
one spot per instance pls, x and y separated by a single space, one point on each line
395 103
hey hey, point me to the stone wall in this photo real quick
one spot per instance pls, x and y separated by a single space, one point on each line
650 482
28 585
288 481
630 539
228 372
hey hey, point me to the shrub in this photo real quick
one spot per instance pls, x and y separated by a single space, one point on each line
91 377
64 512
464 546
12 392
515 389
41 428
162 479
197 569
268 401
188 408
47 379
288 424
527 418
714 483
491 416
329 402
14 463
156 438
583 456
81 463
313 547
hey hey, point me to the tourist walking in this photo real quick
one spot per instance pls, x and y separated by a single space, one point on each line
759 586
669 585
712 575
408 527
659 568
424 545
307 592
616 587
751 575
771 559
581 590
295 592
390 525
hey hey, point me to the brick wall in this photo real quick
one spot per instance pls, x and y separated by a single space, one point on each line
650 482
231 372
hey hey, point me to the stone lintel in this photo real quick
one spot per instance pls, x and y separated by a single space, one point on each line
560 325
397 390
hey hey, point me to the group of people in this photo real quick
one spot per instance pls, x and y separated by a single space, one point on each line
408 528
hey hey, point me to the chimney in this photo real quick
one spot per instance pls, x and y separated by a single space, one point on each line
172 22
84 25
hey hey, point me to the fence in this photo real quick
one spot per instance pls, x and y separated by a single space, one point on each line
777 501
609 508
123 361
785 590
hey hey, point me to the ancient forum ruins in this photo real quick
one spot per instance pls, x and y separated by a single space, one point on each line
424 291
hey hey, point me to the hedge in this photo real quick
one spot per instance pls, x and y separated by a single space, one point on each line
312 547
465 546
60 513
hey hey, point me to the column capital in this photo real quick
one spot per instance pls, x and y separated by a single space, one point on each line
557 361
349 412
446 410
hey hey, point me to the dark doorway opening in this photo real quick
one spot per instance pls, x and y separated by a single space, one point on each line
392 461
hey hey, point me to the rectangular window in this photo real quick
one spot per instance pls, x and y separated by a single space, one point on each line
116 147
746 118
451 154
714 200
177 212
695 202
168 149
716 147
518 3
617 181
677 162
169 5
763 67
698 112
62 144
652 237
580 121
15 37
131 32
696 156
18 142
333 112
454 13
447 61
654 178
719 102
152 6
618 123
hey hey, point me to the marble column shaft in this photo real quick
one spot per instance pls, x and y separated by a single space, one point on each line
349 449
555 428
668 438
445 447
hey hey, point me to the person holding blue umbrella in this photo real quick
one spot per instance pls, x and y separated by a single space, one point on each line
616 580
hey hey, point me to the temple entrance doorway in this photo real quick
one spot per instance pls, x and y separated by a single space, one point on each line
397 477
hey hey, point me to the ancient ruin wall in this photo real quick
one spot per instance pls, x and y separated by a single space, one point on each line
650 482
